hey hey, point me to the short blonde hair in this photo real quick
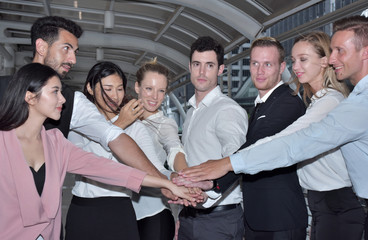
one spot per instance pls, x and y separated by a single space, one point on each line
269 42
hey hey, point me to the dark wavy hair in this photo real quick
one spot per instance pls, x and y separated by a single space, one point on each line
47 28
207 43
14 110
94 77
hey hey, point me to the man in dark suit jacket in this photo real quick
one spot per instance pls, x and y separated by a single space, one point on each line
274 205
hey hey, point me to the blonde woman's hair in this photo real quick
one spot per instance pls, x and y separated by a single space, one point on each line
321 45
152 66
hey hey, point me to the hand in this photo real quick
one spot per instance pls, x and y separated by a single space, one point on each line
212 169
179 194
198 195
188 195
168 194
129 113
182 181
174 175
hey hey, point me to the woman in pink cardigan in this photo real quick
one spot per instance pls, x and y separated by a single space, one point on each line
34 161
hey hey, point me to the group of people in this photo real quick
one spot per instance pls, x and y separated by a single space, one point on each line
35 161
328 143
116 146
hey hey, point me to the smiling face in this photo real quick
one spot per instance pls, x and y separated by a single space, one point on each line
50 101
61 54
151 91
265 68
345 58
110 96
308 65
204 70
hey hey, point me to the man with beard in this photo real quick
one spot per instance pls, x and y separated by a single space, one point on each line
55 43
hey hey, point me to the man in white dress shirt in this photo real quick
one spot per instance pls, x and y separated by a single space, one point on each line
215 127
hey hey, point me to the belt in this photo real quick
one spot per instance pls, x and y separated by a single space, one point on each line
192 212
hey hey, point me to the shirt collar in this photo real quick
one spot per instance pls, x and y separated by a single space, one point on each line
265 97
155 115
320 93
361 86
208 99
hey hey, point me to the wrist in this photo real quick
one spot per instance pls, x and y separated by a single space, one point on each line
228 165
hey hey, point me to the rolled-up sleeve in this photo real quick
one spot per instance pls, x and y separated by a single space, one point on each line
88 121
169 138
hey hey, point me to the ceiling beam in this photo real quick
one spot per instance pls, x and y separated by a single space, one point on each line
353 8
291 12
96 39
229 14
350 9
168 23
46 6
8 56
120 41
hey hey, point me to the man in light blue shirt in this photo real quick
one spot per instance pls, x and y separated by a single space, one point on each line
345 126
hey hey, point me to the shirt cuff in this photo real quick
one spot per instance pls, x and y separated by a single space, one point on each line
110 135
172 155
237 162
210 201
213 195
167 173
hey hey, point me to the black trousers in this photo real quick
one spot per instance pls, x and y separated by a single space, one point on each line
336 214
107 218
157 227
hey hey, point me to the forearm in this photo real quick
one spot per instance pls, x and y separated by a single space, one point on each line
180 163
122 123
152 181
128 152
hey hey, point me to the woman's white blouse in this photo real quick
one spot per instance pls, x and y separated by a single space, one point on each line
88 188
166 143
164 131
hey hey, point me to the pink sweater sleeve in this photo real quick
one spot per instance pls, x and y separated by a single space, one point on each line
99 168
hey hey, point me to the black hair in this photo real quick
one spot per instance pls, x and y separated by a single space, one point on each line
14 109
94 77
207 43
47 28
